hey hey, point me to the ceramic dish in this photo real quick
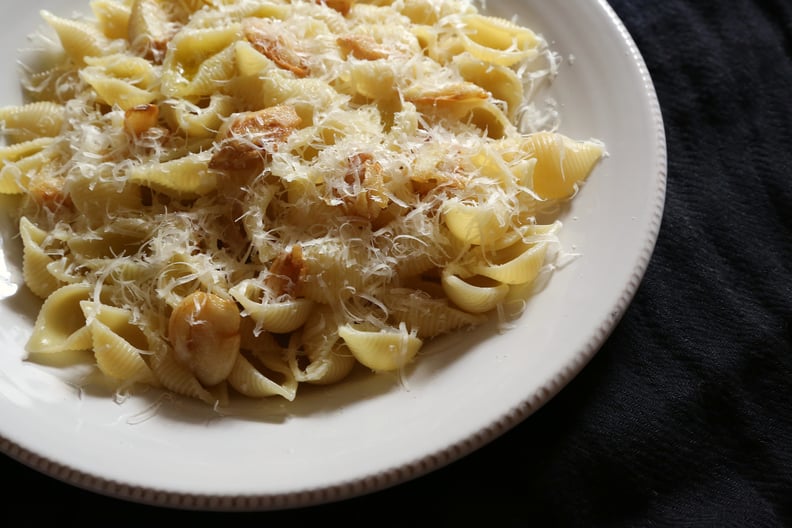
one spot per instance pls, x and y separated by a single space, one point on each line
373 431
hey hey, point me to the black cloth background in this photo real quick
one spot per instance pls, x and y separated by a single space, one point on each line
684 418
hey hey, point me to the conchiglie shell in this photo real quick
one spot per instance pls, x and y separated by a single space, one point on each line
498 33
120 80
562 163
537 232
253 339
489 118
373 79
331 367
106 244
234 11
13 180
118 345
413 264
258 382
22 173
523 172
502 82
60 325
381 350
421 286
472 297
123 272
421 12
148 24
117 358
197 60
526 233
277 317
117 92
31 121
426 37
430 317
24 149
213 73
112 18
198 122
56 274
64 272
35 261
255 92
497 40
79 39
455 99
131 270
517 264
124 66
280 317
490 164
86 193
329 359
179 379
185 177
250 61
474 223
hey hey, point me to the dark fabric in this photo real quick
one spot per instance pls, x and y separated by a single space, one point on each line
684 418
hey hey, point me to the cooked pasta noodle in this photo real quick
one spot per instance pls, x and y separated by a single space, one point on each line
230 198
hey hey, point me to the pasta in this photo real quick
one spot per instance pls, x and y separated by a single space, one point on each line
232 198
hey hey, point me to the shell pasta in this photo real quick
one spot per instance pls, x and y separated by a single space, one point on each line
232 198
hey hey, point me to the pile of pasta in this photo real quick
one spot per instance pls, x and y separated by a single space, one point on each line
230 198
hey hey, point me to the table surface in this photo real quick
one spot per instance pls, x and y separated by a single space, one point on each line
684 417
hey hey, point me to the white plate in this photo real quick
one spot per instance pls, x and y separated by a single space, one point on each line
371 432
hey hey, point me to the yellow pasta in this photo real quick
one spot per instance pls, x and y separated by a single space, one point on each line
79 39
198 60
195 121
491 119
316 354
190 175
427 315
149 27
60 325
502 82
474 296
496 40
516 264
179 379
118 345
381 350
36 261
476 223
561 163
112 17
231 198
329 367
94 198
272 316
121 80
32 121
19 161
270 376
